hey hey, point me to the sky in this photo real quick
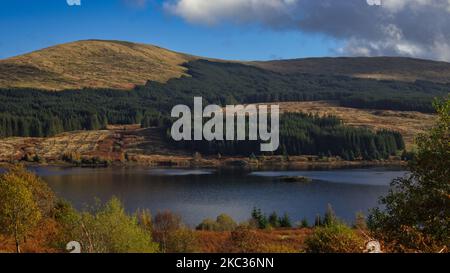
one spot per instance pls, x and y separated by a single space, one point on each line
236 29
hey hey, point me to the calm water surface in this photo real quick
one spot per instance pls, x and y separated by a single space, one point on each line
200 193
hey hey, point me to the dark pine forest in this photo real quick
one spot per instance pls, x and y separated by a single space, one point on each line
37 113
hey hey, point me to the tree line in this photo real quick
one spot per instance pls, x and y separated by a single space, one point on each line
307 134
32 112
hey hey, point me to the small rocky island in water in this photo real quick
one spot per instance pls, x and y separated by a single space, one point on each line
295 179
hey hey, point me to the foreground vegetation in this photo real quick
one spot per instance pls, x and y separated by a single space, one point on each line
33 220
416 216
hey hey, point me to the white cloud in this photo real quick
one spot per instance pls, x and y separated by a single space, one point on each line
399 5
74 2
416 28
241 11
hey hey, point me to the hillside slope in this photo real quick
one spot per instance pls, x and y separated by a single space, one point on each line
122 65
379 68
92 63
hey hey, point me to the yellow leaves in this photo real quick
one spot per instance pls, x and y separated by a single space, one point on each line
19 212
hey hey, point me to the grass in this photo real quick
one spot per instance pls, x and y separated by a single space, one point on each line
52 148
92 63
264 241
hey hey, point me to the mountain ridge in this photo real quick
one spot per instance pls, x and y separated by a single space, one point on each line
123 65
378 68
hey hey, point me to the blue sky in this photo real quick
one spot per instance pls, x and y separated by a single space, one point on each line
27 25
236 29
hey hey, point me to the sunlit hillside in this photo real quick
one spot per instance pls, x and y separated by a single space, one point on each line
92 63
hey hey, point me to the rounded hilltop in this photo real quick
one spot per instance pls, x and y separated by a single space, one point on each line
92 64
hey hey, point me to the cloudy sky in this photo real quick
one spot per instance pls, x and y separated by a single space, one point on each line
236 29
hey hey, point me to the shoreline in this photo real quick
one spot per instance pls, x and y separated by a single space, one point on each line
243 163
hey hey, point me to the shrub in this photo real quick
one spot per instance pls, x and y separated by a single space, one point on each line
69 220
243 240
145 220
329 217
182 240
165 225
223 222
109 229
335 238
360 221
208 225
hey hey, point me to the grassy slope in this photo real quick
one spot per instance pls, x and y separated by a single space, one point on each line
380 68
93 63
121 65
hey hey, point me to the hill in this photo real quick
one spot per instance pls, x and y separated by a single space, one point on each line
123 65
378 68
91 64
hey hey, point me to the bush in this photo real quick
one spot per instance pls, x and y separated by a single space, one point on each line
69 220
335 238
165 225
208 225
109 229
226 223
223 222
243 240
182 240
145 219
360 221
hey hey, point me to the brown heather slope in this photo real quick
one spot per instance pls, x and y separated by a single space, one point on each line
379 68
122 65
92 63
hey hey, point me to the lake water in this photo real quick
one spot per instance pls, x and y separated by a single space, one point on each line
200 193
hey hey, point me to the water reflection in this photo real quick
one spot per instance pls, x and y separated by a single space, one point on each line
197 194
